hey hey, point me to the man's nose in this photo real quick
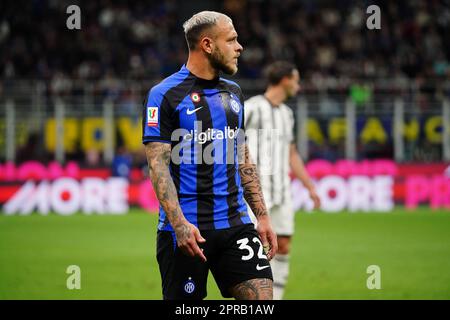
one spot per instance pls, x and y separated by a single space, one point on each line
240 48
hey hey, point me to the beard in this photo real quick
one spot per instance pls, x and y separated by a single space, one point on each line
218 62
290 94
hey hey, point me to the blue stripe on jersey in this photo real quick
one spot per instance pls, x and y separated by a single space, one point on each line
220 168
187 123
162 218
230 82
174 240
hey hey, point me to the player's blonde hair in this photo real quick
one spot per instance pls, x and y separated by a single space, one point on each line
198 23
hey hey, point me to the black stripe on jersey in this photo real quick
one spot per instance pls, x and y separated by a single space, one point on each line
232 188
175 168
249 118
272 176
259 137
283 125
205 172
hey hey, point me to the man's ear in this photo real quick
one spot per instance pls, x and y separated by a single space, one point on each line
207 44
284 80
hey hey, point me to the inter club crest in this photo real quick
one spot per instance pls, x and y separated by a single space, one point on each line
234 105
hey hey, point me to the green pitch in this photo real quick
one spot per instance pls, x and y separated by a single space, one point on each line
330 256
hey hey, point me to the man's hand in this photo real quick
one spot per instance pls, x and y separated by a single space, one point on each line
188 237
268 236
314 197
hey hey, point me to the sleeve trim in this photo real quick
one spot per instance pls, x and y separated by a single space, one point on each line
146 139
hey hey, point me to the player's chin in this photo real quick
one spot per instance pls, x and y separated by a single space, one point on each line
231 68
291 94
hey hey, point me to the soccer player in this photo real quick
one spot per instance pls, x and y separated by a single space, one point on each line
200 170
269 125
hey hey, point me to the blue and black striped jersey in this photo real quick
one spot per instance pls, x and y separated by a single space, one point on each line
203 120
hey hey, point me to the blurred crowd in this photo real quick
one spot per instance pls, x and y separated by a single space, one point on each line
144 39
126 46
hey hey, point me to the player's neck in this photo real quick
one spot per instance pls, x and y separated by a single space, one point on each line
275 95
200 67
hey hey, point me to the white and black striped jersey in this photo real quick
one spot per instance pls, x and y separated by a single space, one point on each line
270 131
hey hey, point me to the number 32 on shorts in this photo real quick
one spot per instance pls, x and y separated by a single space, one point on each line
243 245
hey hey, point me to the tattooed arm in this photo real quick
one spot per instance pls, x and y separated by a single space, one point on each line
158 159
254 196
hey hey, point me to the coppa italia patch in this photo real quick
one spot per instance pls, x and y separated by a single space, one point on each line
195 97
152 116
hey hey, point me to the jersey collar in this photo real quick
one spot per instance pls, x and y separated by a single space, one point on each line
200 81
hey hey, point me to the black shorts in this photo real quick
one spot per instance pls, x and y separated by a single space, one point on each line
233 255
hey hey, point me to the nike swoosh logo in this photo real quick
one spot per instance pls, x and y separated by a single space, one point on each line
261 268
192 111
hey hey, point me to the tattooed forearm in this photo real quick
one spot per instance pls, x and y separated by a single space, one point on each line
254 289
250 182
158 158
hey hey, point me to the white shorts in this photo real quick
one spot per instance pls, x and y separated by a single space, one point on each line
282 217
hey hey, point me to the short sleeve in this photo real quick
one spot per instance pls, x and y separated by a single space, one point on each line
157 124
